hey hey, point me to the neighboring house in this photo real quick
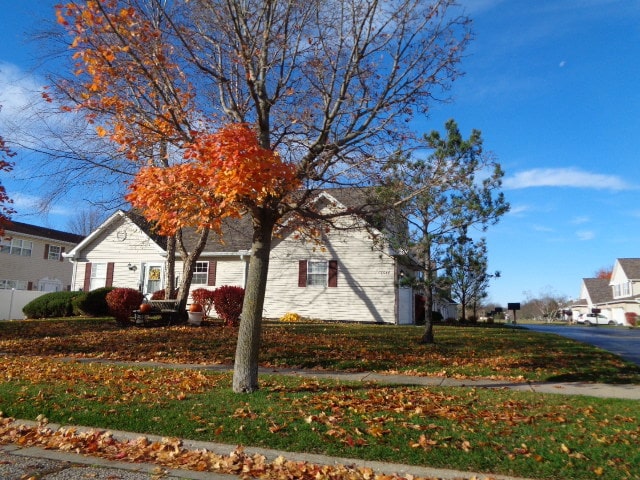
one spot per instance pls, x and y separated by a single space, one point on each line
616 297
32 258
340 273
593 293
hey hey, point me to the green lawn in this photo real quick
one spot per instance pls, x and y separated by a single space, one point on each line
492 431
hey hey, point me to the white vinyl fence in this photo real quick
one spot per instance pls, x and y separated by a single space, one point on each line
12 302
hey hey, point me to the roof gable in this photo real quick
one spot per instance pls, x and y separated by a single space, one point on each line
598 289
630 267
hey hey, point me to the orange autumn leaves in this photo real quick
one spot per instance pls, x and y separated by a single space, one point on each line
128 80
226 173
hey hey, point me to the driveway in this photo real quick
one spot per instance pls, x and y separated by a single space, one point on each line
622 341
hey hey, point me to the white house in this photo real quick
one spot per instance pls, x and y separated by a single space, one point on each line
341 273
618 298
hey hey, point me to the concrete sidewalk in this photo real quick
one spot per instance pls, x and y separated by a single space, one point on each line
17 463
23 463
601 390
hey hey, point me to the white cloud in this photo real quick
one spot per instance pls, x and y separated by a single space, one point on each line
580 220
518 210
542 228
585 235
564 177
562 63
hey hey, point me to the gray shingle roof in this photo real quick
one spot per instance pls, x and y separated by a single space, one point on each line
237 233
631 267
599 289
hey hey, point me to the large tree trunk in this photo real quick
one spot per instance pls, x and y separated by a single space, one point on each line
189 258
170 275
245 371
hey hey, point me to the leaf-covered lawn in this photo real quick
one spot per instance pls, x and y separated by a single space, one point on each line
493 431
462 352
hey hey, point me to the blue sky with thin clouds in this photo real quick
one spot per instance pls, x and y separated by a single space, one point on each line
553 85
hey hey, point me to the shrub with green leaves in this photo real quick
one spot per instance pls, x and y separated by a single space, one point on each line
51 305
92 303
228 303
122 302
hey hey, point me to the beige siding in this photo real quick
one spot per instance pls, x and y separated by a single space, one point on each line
365 291
36 267
122 243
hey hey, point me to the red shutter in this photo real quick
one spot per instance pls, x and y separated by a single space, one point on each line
109 282
61 252
333 273
46 251
87 277
302 273
211 277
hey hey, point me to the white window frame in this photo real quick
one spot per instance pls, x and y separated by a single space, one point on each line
200 273
55 252
98 276
16 246
14 284
317 273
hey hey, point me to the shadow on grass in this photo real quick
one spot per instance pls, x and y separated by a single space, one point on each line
626 374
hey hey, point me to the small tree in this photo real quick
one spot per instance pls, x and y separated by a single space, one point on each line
455 187
466 272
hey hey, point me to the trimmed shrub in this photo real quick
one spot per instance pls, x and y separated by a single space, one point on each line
159 295
122 302
228 303
204 297
92 303
436 317
51 305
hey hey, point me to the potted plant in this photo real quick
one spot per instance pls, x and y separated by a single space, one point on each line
195 314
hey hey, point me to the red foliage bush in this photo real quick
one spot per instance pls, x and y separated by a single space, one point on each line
159 295
228 303
122 302
205 298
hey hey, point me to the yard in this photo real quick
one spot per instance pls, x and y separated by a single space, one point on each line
493 431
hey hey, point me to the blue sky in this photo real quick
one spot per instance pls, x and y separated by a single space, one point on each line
554 87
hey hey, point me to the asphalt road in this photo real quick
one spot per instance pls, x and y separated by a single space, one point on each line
622 341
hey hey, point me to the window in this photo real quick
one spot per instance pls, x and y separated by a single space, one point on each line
54 252
17 284
200 273
622 289
318 273
16 246
98 275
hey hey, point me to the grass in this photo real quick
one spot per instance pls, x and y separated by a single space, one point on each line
493 431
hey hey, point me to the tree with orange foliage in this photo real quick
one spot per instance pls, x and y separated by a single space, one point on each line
129 88
604 273
5 166
330 85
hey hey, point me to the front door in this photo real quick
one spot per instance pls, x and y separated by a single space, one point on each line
152 279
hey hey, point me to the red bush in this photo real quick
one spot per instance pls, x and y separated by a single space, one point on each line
122 302
205 298
228 303
159 295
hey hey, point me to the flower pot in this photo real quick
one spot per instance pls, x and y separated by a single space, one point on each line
195 318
